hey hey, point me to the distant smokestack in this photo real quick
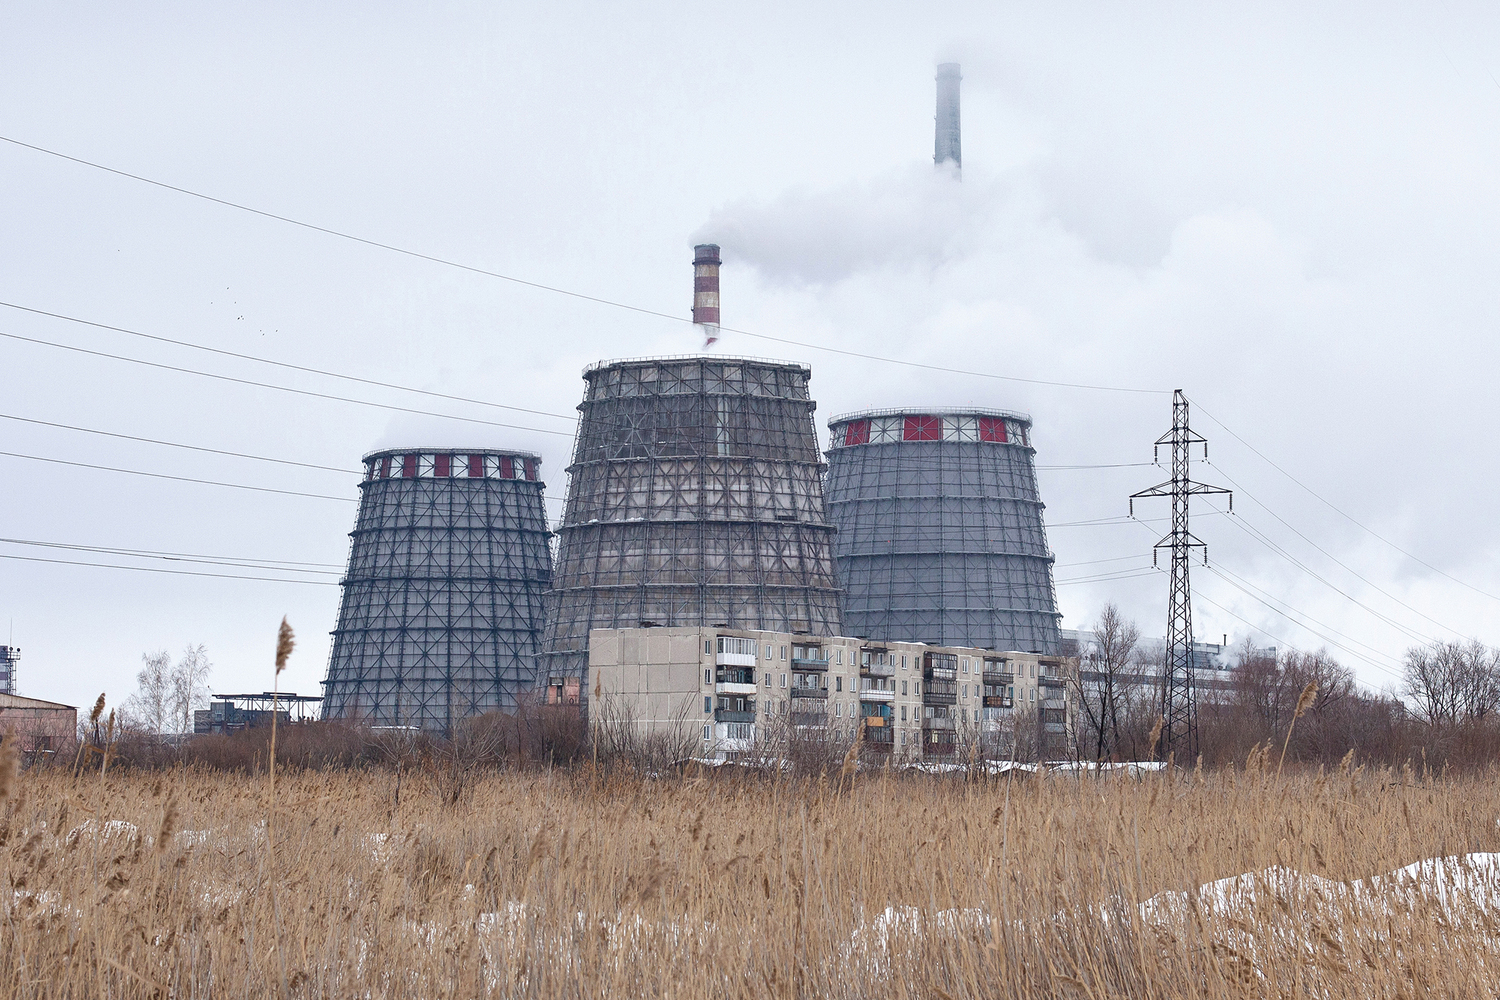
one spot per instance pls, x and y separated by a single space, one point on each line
948 143
706 286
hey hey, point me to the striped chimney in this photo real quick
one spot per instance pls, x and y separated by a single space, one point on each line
706 284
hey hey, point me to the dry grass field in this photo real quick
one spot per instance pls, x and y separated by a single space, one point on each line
564 884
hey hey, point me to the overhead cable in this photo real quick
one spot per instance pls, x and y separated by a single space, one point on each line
180 479
598 300
288 365
171 572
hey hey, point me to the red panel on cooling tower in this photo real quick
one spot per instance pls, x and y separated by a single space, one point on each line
531 469
409 466
476 466
992 429
922 429
856 432
385 467
507 471
442 465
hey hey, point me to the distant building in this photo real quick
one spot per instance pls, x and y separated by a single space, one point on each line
39 727
1212 669
10 659
734 691
229 713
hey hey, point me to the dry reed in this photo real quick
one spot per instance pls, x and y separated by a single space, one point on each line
561 884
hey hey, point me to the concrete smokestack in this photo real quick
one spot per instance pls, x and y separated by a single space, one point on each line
706 286
947 144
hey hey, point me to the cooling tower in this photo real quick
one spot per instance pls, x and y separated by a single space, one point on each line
695 497
940 536
442 610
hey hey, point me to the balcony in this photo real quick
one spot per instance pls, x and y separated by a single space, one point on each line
735 659
998 677
880 739
998 701
1058 683
815 719
801 663
728 715
877 669
877 694
875 720
942 674
810 692
940 693
733 687
940 725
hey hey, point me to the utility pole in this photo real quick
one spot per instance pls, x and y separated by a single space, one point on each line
1179 705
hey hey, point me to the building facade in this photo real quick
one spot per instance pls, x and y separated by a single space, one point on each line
38 727
940 536
745 691
695 498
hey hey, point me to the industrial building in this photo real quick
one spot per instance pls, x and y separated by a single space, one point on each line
746 691
38 727
947 146
1213 671
940 537
449 563
10 661
231 713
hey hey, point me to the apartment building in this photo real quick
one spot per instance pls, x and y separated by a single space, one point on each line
738 691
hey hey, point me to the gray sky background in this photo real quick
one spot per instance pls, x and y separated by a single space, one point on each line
1290 214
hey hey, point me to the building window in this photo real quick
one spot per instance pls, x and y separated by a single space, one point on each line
705 734
765 675
708 703
1033 670
783 680
708 676
708 645
768 653
838 656
903 736
1033 694
966 664
903 661
903 687
903 713
838 710
966 691
838 684
976 715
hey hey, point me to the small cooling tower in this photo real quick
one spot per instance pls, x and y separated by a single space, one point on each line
940 536
442 608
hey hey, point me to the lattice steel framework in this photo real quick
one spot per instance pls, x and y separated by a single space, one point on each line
1179 699
940 535
695 497
442 610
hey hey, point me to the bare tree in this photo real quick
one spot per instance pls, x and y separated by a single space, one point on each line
166 693
1452 682
190 685
150 708
1103 681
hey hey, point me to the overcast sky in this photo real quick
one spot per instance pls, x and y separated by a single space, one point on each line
1290 215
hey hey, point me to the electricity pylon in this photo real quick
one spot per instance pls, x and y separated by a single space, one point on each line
1179 705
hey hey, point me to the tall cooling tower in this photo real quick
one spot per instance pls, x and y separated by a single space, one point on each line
940 535
448 568
695 497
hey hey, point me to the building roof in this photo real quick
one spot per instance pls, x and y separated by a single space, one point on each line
16 701
931 411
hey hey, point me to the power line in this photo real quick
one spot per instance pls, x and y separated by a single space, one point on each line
284 364
1331 506
279 388
1347 568
281 565
193 447
171 572
175 444
180 479
641 310
1200 595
